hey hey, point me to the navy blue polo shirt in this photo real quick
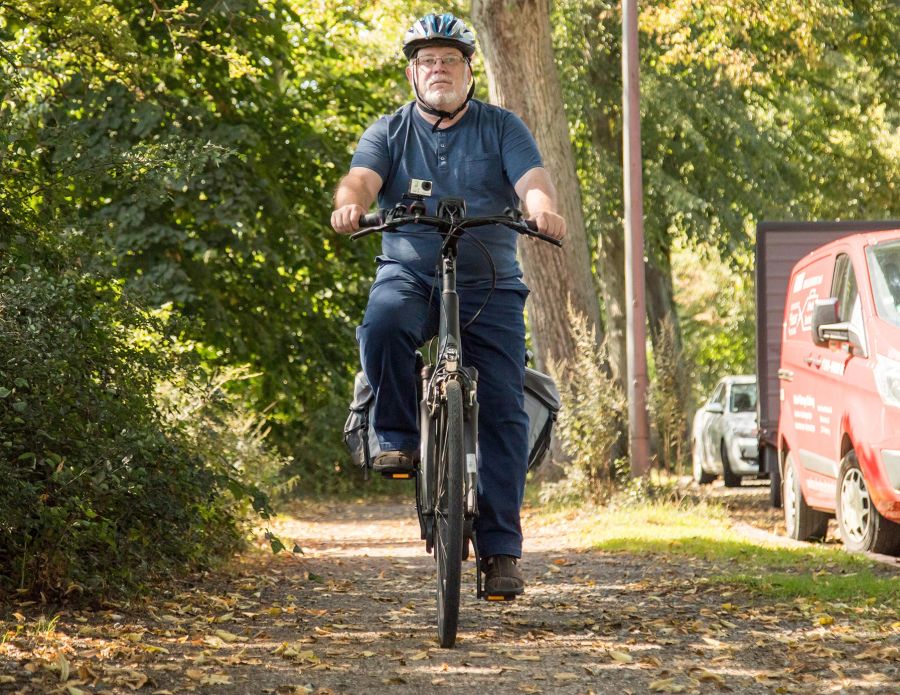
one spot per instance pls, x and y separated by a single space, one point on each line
479 159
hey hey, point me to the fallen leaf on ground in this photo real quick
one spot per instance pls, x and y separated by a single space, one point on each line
226 636
667 685
62 665
620 657
565 676
703 675
524 657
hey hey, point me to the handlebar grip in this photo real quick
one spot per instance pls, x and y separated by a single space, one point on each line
532 225
373 219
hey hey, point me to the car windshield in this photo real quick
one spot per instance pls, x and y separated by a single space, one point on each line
884 269
743 398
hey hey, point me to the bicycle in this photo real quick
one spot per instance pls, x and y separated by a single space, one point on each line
447 472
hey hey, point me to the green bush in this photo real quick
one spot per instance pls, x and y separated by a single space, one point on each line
101 491
670 397
590 421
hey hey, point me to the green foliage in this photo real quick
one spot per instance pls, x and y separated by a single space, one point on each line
718 310
100 492
746 114
201 143
590 420
223 432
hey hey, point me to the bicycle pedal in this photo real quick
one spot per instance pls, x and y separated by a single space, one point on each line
499 597
397 476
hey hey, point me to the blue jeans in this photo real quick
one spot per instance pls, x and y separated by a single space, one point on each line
402 314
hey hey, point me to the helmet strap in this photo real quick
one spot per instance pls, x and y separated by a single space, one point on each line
441 114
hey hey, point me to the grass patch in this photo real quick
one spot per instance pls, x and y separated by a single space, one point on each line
702 532
857 589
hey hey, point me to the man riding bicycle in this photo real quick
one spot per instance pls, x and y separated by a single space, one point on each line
462 148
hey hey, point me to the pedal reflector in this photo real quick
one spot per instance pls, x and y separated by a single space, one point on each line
499 597
401 476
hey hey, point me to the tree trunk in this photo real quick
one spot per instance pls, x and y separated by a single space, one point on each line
514 36
611 278
661 300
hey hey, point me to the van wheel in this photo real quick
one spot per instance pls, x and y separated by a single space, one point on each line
775 497
802 521
700 475
861 525
732 479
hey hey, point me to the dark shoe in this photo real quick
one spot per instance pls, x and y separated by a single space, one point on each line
396 462
501 576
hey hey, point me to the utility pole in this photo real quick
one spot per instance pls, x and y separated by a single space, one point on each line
636 308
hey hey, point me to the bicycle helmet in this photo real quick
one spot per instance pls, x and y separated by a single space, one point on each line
439 30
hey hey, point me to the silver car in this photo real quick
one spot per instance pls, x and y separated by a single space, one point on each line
724 433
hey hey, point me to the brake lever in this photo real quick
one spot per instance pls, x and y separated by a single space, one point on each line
544 237
367 231
529 228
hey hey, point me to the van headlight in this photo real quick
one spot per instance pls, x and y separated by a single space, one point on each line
887 380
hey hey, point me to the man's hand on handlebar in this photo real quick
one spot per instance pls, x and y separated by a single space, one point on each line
345 220
551 224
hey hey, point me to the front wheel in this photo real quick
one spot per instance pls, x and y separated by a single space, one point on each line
448 513
802 522
861 525
732 479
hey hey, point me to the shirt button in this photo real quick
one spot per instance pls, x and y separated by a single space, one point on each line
443 144
443 158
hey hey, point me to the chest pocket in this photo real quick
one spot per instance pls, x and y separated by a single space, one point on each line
483 172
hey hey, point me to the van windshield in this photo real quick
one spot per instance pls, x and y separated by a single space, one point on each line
884 269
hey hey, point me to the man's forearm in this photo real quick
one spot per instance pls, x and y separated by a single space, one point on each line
352 192
537 192
353 196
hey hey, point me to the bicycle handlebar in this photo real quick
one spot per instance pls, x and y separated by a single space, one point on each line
375 222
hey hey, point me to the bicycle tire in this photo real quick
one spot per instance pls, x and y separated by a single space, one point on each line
448 513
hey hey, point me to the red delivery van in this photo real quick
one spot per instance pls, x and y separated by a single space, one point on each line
839 422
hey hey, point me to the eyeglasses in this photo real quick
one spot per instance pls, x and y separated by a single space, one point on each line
429 62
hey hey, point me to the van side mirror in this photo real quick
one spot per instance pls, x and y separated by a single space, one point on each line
715 408
824 313
826 327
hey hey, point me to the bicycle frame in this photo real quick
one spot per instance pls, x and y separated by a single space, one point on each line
448 365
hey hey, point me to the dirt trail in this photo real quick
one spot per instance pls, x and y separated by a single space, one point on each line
355 614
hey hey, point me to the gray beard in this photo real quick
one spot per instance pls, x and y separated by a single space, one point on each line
445 101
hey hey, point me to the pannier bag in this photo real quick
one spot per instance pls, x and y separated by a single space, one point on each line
541 404
359 432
